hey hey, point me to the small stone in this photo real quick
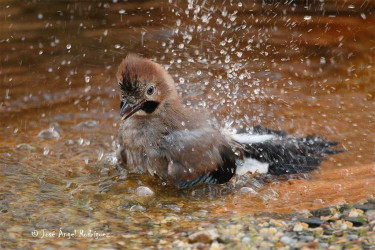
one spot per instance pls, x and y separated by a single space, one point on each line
246 239
286 240
267 231
277 223
204 236
216 246
365 207
306 238
352 237
313 222
356 221
143 191
300 226
323 245
370 215
355 212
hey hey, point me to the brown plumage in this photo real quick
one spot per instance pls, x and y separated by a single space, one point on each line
160 136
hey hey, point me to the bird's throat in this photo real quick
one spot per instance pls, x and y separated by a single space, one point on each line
150 106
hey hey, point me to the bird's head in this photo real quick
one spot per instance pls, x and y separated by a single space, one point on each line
145 87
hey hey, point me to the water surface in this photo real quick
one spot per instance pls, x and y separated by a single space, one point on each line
306 69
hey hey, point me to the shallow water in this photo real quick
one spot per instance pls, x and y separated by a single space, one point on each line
305 69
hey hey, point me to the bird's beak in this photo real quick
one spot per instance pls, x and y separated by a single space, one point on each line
129 109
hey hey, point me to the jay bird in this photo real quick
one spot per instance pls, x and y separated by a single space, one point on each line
183 147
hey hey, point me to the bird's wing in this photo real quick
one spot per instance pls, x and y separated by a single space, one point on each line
200 155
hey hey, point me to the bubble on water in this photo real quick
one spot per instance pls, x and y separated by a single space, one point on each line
363 15
87 124
178 22
105 33
117 46
87 80
181 46
68 46
24 147
322 60
49 133
239 54
307 18
121 11
50 70
239 4
40 16
41 52
199 72
182 80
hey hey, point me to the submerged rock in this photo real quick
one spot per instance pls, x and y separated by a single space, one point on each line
204 236
143 191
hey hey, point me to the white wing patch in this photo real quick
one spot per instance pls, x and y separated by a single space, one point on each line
252 166
249 138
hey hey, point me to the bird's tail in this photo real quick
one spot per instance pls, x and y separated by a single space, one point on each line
278 153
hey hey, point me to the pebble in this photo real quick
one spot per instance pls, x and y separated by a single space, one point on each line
216 246
355 212
207 236
300 226
286 240
246 239
306 238
370 215
143 191
313 222
268 231
352 237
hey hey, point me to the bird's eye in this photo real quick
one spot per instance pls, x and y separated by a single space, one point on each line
150 90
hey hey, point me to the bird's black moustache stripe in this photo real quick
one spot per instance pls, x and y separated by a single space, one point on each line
150 106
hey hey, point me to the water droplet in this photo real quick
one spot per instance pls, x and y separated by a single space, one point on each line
68 46
87 80
46 151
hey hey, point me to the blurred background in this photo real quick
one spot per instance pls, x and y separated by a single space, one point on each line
303 66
